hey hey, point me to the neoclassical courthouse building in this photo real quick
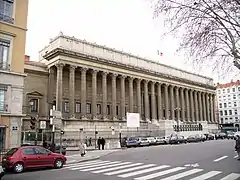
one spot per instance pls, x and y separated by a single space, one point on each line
95 86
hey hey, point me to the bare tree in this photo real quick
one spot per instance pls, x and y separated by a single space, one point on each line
209 29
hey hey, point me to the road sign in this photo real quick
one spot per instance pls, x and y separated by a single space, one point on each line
43 125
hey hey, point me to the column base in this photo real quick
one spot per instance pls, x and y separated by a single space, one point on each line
84 118
115 119
72 118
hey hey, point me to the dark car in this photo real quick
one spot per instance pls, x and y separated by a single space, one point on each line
209 136
26 157
194 138
230 135
1 172
133 142
221 135
176 139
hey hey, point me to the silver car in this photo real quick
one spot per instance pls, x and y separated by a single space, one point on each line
143 142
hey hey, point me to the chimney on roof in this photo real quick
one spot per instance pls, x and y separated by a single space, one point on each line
26 58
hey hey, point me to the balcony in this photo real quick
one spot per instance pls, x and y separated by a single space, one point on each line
6 18
4 66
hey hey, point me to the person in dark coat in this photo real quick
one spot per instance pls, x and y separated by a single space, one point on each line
103 143
45 144
99 143
237 146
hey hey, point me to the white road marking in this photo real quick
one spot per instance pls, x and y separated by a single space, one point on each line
161 173
130 169
142 171
183 174
207 175
221 158
83 164
71 161
107 166
235 157
232 176
94 165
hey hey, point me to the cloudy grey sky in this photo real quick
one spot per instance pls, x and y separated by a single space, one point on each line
121 24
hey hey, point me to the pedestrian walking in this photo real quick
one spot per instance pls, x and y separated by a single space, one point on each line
82 149
99 143
103 143
237 146
90 141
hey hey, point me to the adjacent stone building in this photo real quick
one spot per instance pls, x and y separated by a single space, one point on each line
95 86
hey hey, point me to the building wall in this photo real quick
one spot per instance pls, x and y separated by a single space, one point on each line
13 34
229 102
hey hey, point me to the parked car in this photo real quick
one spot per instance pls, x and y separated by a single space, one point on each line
1 172
230 135
203 137
194 138
133 142
235 135
143 141
210 136
162 140
176 139
221 135
152 140
21 158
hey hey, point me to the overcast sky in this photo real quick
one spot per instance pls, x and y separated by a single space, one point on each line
121 24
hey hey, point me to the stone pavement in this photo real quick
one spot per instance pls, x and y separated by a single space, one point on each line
90 155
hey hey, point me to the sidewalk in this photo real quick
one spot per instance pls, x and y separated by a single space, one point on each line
90 155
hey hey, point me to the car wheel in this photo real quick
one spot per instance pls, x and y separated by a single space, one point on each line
18 167
58 163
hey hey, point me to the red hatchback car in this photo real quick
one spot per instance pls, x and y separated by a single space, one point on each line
26 157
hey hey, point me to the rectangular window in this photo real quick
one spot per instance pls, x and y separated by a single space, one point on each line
235 104
230 112
233 89
228 90
66 107
234 96
117 110
238 88
78 107
99 109
225 112
221 113
34 105
235 111
89 108
3 105
108 109
220 105
4 53
6 11
219 91
225 105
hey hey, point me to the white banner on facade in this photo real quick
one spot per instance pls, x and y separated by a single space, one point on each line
133 120
43 125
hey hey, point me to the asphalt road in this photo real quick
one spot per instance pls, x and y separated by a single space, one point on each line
211 160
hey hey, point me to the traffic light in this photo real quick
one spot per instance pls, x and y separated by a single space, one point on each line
33 123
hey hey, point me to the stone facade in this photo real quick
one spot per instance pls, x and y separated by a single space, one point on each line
95 86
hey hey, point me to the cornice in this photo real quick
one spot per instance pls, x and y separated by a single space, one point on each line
59 51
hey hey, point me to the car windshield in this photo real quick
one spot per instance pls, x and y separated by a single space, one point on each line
144 139
12 151
132 138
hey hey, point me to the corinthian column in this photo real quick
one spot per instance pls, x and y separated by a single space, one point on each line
159 100
208 108
122 100
204 107
153 102
130 80
72 91
178 103
166 101
114 98
211 108
214 108
172 103
196 106
83 92
59 87
187 104
146 100
50 86
200 106
182 104
139 97
192 105
94 94
104 90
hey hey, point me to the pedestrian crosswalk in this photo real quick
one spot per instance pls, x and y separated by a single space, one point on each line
141 171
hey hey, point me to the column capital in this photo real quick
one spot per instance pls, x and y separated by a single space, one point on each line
159 83
130 79
60 65
123 76
167 84
51 70
105 73
177 87
72 68
114 75
84 69
146 81
153 82
139 80
94 71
